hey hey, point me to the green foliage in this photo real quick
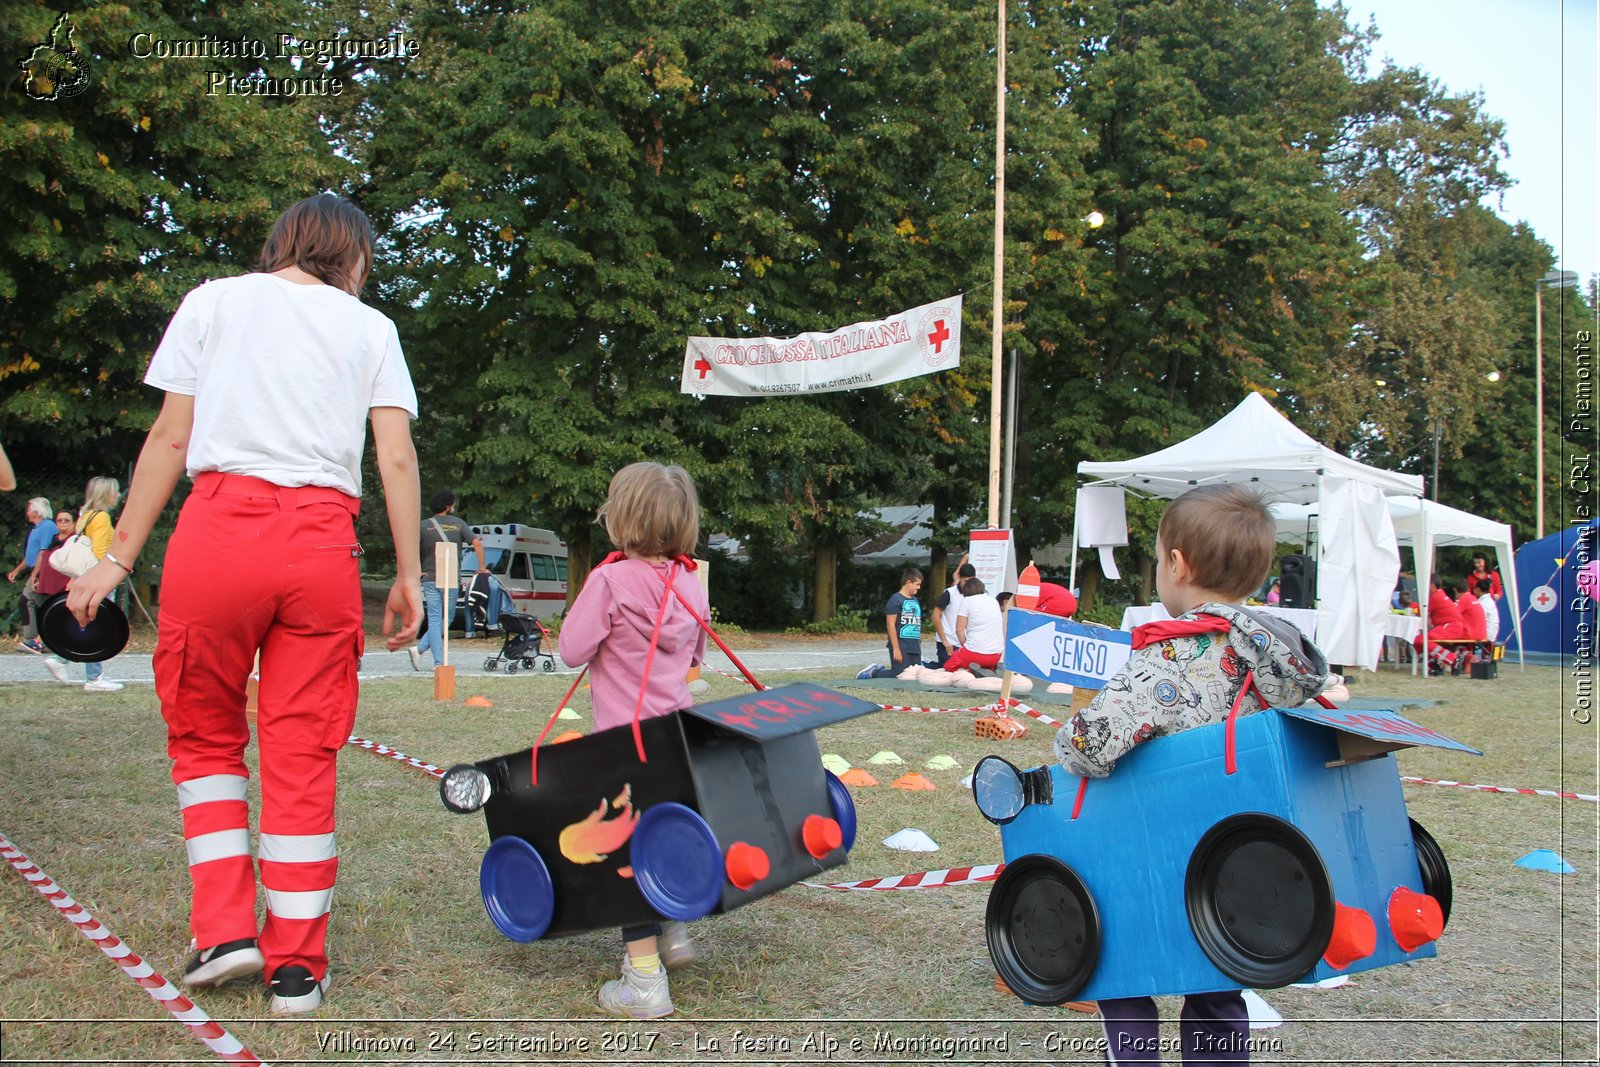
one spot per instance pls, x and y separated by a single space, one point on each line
725 628
845 621
762 592
1105 613
563 193
120 200
1224 259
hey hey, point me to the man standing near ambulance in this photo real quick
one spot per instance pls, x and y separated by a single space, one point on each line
442 526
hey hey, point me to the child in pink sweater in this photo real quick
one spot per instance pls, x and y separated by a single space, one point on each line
652 515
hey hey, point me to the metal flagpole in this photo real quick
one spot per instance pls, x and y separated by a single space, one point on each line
996 355
1010 449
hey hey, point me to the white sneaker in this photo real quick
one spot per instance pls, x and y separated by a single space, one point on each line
640 995
101 685
59 669
223 963
295 992
416 659
676 948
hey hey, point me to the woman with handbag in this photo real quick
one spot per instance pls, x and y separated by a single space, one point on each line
270 380
94 527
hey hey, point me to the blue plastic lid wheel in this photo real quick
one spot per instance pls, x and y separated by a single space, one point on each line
677 864
517 891
844 809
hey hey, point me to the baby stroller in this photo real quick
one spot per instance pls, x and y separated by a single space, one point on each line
525 637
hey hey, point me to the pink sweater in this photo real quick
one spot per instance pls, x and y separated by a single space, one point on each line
609 628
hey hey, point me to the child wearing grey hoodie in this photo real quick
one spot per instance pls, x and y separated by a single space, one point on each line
1214 545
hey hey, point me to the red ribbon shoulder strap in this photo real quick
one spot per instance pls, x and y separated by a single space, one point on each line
1155 632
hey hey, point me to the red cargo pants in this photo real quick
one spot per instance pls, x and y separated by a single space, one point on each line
256 566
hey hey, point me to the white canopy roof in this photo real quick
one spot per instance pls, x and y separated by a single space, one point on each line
1445 526
1424 525
1253 443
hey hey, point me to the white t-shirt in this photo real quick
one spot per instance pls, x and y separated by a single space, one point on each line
986 626
283 376
949 605
1491 614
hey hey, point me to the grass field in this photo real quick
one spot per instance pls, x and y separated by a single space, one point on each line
421 975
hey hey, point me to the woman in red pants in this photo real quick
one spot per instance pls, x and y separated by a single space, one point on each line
270 380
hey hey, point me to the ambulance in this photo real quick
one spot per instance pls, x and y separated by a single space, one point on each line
530 563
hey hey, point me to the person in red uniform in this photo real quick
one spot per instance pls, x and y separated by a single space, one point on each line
1056 600
270 379
1472 617
1444 624
1480 570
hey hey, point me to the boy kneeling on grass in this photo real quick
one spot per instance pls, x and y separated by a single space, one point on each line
1214 546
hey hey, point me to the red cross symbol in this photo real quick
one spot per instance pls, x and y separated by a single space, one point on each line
1542 598
702 366
939 335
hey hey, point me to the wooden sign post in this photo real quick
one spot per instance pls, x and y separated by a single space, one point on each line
445 564
252 690
702 572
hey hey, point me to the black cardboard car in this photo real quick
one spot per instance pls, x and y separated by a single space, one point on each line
730 803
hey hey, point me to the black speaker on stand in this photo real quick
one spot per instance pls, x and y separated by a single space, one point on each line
1297 581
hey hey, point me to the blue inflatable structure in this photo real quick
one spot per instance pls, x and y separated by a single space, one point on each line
1558 620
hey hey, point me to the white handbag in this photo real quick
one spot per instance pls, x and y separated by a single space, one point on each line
76 554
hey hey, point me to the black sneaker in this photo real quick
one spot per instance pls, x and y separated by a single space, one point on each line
295 991
224 962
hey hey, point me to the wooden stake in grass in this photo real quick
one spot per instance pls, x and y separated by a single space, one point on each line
444 576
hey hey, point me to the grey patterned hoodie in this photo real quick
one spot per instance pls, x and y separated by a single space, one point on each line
1185 673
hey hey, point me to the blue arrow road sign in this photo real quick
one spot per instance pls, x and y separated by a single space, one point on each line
1060 650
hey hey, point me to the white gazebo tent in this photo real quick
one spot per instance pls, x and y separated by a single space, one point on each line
1255 445
1425 525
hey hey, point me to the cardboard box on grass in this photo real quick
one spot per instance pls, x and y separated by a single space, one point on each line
604 840
1174 871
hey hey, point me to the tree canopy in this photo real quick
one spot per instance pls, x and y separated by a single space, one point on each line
563 193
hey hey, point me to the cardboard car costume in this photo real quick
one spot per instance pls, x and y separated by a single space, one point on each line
731 804
1176 875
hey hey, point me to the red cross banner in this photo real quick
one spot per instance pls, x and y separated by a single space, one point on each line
859 356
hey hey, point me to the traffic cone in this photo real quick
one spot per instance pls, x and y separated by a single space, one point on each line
1028 587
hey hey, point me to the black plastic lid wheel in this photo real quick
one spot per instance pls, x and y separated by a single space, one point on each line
1260 900
1436 880
104 637
1043 929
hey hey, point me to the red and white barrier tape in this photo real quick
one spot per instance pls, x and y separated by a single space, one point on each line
1503 789
921 880
396 755
931 711
161 991
1041 716
726 674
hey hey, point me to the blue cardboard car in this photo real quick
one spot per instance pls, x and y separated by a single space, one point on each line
1177 874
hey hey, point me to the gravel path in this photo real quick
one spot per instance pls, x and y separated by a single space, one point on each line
843 657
